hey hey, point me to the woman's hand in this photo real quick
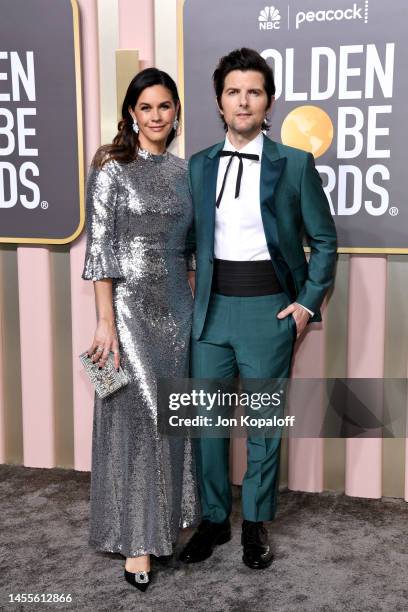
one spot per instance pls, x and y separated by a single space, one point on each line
105 340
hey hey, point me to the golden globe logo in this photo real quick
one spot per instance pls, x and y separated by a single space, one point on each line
269 18
309 128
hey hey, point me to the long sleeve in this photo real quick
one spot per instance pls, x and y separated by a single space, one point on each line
101 196
321 232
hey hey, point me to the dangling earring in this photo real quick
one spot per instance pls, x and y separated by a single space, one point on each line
265 131
135 127
175 124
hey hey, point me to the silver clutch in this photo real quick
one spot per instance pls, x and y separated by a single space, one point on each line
106 380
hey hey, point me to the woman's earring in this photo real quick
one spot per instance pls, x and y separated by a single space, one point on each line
265 131
135 127
175 124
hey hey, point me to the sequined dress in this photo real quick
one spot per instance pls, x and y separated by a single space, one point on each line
143 486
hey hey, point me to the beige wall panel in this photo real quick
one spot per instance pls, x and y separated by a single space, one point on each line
62 346
396 339
396 360
166 47
127 65
334 458
283 468
393 467
336 363
108 26
13 420
165 26
180 75
336 322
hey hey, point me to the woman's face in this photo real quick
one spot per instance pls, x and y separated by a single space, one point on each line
154 112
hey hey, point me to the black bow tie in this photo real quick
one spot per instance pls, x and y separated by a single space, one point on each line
240 156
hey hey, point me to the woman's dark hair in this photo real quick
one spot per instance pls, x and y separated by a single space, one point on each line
243 59
126 142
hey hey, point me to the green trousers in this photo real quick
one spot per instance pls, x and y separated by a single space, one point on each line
242 336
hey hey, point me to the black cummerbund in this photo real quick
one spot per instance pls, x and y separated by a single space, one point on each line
245 278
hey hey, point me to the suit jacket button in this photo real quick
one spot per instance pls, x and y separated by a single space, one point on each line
211 260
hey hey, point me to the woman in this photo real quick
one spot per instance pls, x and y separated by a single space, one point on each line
138 213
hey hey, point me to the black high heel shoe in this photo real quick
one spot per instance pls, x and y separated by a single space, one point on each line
140 580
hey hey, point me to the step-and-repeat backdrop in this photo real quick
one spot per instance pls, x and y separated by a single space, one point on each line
341 91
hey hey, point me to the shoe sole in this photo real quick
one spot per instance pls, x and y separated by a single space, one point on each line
258 566
222 539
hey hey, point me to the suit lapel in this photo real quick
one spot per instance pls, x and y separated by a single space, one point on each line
272 165
209 192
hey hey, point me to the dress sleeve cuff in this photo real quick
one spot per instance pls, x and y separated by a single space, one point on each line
98 267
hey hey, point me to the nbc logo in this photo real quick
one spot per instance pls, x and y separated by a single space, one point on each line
269 18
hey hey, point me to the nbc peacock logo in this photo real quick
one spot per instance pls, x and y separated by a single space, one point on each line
269 18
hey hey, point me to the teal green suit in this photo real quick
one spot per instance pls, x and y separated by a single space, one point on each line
242 335
292 203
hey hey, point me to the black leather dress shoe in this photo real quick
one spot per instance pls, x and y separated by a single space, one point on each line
140 580
205 539
257 550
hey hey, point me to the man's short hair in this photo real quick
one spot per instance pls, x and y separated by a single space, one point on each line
243 59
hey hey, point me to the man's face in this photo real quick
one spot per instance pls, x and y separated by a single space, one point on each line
244 102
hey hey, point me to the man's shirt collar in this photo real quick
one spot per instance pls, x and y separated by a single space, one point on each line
255 146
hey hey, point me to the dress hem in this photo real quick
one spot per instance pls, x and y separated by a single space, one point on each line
165 552
139 553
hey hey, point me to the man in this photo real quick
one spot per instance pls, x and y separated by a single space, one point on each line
255 292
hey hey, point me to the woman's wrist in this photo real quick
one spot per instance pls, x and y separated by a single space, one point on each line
107 318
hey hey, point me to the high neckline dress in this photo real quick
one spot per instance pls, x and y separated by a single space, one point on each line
143 485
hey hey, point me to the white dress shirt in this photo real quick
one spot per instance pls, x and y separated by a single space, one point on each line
239 233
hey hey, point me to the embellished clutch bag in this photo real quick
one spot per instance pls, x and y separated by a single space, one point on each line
106 380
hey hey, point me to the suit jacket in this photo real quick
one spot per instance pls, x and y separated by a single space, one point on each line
293 204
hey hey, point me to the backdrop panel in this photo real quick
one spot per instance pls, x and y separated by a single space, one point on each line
341 94
41 170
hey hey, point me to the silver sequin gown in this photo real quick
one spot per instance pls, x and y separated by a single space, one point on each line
143 486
